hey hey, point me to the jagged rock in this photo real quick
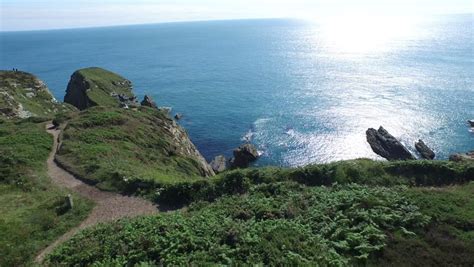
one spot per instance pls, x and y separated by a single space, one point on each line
387 146
219 164
178 116
244 155
462 157
148 102
471 122
98 87
424 150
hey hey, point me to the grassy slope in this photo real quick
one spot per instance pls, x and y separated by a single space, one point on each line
119 149
286 223
29 221
102 84
41 104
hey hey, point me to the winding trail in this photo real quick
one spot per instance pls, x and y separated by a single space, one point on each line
108 206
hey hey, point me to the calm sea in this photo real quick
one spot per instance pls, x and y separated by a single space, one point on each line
303 92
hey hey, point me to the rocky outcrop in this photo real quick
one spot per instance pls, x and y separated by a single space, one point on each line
244 155
424 150
219 164
148 102
23 95
98 87
387 146
178 116
462 157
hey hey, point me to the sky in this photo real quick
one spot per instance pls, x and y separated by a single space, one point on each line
20 15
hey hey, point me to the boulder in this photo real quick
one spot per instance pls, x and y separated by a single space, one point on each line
387 146
148 102
462 157
219 164
424 150
244 155
178 116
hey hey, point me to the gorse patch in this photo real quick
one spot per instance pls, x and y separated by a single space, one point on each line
274 224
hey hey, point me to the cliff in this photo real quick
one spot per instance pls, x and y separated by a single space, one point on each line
23 95
97 87
122 148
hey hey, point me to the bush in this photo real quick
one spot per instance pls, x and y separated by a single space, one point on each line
338 225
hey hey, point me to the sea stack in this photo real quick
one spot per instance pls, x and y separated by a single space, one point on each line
424 150
387 146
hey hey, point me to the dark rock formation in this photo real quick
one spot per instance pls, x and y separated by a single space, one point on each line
387 146
244 155
98 87
219 164
424 150
462 157
471 122
148 102
178 116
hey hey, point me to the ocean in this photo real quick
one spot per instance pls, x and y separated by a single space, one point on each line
302 91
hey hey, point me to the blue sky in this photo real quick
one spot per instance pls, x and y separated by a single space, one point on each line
54 14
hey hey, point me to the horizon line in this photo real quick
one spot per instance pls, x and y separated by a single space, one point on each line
196 21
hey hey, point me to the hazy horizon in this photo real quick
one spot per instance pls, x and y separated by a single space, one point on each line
28 15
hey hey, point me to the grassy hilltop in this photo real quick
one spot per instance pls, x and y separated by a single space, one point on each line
357 212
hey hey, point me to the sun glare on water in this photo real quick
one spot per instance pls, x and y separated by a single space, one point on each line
364 34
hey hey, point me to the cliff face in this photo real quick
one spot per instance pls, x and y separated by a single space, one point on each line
97 87
23 95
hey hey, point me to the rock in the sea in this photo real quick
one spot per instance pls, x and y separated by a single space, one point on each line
244 155
424 150
387 146
219 164
178 116
471 122
462 157
148 102
98 87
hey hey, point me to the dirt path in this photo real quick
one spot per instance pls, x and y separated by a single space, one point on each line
108 206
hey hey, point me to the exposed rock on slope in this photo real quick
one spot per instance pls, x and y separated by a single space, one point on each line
98 87
22 95
219 164
387 146
462 157
424 150
148 102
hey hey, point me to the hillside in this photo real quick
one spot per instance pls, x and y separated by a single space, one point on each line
123 150
22 95
355 212
286 223
32 210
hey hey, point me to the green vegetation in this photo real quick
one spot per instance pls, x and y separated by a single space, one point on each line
31 215
447 241
361 171
101 84
276 224
126 150
23 95
357 212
